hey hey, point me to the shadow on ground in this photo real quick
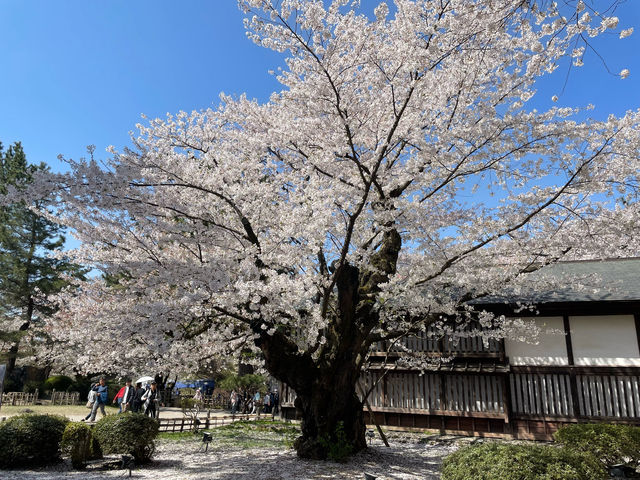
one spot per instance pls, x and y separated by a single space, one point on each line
186 460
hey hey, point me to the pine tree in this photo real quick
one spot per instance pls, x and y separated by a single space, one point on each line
28 274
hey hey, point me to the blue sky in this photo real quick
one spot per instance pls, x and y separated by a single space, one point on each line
81 72
78 72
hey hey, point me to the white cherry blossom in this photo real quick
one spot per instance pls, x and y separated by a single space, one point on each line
400 172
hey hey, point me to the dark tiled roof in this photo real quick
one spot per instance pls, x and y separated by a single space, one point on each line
602 280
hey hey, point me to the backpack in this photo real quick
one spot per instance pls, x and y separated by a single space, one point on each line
91 398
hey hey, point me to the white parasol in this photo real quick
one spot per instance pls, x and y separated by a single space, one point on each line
144 379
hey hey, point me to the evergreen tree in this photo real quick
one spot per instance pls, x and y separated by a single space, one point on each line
29 275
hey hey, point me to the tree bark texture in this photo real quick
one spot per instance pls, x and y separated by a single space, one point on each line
325 381
325 385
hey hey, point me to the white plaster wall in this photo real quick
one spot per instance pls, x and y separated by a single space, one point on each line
551 348
608 340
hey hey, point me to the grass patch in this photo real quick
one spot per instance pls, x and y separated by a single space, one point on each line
64 410
178 436
241 434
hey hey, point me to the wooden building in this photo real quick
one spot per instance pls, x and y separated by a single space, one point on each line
585 367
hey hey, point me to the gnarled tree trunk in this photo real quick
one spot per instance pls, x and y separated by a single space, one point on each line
325 380
331 415
325 384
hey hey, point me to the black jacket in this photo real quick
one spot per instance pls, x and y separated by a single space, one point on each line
129 395
139 393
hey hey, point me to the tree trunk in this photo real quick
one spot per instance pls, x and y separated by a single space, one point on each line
325 385
332 416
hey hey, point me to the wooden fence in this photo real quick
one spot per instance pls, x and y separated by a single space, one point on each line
429 342
216 400
65 398
598 393
187 424
436 393
20 398
528 402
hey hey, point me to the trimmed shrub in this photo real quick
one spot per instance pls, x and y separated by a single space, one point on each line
76 442
31 439
498 461
610 444
30 386
128 433
57 382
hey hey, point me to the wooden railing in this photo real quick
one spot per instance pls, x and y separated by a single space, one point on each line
215 400
436 393
186 424
541 394
19 398
430 342
65 398
583 392
544 393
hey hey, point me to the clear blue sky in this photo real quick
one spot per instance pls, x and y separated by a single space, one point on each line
78 72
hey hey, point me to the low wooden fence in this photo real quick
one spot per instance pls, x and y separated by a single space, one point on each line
19 398
65 398
216 400
209 402
187 424
525 401
582 392
436 392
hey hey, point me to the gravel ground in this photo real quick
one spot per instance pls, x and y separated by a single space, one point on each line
410 457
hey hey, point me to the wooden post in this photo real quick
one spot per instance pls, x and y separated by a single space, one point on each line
506 400
573 383
636 317
366 402
385 402
502 350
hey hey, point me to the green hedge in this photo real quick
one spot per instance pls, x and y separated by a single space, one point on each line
499 461
128 433
31 439
76 442
610 444
59 383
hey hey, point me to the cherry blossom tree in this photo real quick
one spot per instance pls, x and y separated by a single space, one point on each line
400 173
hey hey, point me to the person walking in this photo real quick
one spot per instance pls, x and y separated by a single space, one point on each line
118 399
266 404
127 396
151 401
197 397
197 401
256 403
275 402
136 405
101 400
234 402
